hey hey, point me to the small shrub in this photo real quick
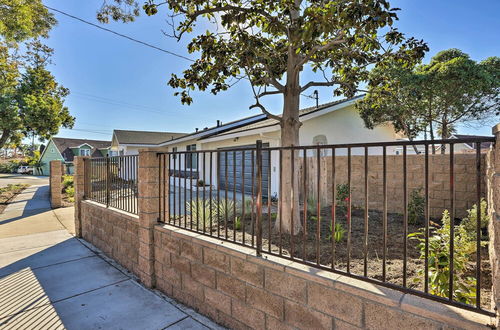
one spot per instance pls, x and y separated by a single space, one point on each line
312 205
237 223
470 222
200 212
416 207
67 181
339 232
439 261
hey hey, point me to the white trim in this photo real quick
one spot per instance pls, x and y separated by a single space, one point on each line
81 145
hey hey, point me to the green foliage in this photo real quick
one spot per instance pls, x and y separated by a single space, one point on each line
206 212
237 223
342 196
470 222
67 181
12 187
451 89
31 101
312 205
416 207
464 286
10 167
21 20
339 232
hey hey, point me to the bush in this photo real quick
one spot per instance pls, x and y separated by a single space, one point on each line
67 181
416 207
200 211
470 222
10 167
439 258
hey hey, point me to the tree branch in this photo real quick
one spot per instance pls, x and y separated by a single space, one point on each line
329 45
267 113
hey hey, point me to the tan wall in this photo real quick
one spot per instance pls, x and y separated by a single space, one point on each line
57 169
232 286
493 187
439 180
113 231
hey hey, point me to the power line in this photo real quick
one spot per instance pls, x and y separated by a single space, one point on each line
119 34
131 38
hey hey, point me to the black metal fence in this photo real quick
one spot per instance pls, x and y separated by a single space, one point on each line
407 215
113 181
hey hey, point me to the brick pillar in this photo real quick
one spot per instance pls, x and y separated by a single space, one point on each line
79 178
55 179
148 213
493 189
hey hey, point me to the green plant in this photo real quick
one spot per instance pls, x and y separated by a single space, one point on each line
237 223
416 207
342 198
312 205
439 261
338 233
200 212
67 181
470 222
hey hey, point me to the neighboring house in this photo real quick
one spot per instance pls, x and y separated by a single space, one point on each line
466 147
332 123
66 149
129 142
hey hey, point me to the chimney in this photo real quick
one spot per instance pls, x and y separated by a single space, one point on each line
196 129
218 123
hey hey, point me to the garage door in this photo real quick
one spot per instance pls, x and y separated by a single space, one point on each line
229 184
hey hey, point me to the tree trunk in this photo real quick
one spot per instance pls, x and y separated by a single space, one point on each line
444 135
5 136
431 132
290 124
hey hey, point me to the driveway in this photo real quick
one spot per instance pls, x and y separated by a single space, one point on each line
52 280
6 179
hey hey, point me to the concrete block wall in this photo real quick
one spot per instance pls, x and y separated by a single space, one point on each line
493 188
113 231
237 289
55 181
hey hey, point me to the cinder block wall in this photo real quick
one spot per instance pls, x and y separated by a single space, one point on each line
113 231
439 180
239 290
493 188
55 181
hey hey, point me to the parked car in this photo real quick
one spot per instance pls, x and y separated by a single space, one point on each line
25 170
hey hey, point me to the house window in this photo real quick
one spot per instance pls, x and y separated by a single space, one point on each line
84 152
191 159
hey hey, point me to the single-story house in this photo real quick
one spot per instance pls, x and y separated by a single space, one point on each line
65 149
336 122
467 147
129 142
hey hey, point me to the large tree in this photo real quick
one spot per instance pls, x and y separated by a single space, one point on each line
271 43
24 19
451 89
31 100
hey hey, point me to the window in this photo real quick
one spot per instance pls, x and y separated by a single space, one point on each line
84 152
191 159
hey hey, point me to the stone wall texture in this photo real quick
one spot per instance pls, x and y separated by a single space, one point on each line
439 180
114 232
55 181
493 187
237 289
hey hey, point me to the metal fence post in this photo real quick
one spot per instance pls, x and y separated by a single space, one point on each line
259 197
107 181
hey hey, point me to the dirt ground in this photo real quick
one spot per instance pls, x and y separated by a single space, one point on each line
8 193
306 247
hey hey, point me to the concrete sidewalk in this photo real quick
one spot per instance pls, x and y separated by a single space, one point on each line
51 280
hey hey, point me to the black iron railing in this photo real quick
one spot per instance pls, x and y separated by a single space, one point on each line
407 215
112 181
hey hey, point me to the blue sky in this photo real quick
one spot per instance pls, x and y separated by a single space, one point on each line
117 84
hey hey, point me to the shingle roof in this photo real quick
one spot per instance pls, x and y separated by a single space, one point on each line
144 137
64 146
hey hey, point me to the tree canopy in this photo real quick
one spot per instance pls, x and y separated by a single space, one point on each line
24 19
271 43
31 100
435 97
